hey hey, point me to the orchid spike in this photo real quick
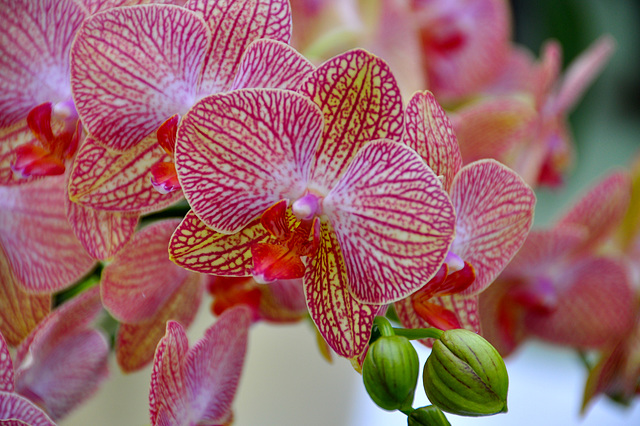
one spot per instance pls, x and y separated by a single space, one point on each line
197 385
380 220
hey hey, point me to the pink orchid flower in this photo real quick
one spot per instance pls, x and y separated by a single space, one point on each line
143 289
494 212
558 280
285 185
193 386
64 360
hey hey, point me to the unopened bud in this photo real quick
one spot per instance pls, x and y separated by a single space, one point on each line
465 375
390 372
427 416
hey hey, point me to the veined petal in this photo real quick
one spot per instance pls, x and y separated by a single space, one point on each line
430 133
136 343
238 153
196 247
213 367
360 100
6 367
101 233
233 26
14 407
134 67
10 138
20 311
344 322
494 209
394 222
35 39
107 180
271 64
141 277
40 245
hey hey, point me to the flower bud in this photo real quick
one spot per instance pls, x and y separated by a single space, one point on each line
465 375
427 416
390 372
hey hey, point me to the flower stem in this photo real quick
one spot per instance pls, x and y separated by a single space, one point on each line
418 333
384 326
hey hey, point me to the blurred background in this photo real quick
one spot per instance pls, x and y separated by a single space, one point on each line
287 382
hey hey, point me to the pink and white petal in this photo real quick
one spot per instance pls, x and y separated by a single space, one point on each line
42 249
141 277
12 137
20 311
239 153
101 233
271 64
134 67
582 72
394 222
233 26
167 392
107 180
601 208
35 39
6 367
595 306
361 102
198 248
494 209
16 410
213 367
136 343
344 323
70 372
429 132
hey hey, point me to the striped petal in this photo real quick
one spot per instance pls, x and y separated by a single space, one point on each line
136 343
233 26
35 38
101 233
20 311
271 64
494 209
6 367
241 152
16 410
344 322
141 277
107 180
360 100
430 133
394 222
40 245
134 67
10 138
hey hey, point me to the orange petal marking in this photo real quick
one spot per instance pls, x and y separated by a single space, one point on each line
33 160
436 315
167 134
164 177
228 292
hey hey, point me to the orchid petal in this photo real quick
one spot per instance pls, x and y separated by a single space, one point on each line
234 25
112 181
394 222
136 343
40 245
134 67
16 410
35 39
494 207
595 306
344 322
20 311
239 153
430 133
271 64
101 233
198 248
282 301
141 277
601 209
11 138
361 102
6 367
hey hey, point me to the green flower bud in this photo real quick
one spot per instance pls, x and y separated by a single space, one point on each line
427 416
465 375
390 372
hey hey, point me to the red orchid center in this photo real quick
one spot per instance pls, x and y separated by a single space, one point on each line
164 176
228 292
290 240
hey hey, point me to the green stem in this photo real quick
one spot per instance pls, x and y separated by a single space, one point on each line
418 333
384 326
